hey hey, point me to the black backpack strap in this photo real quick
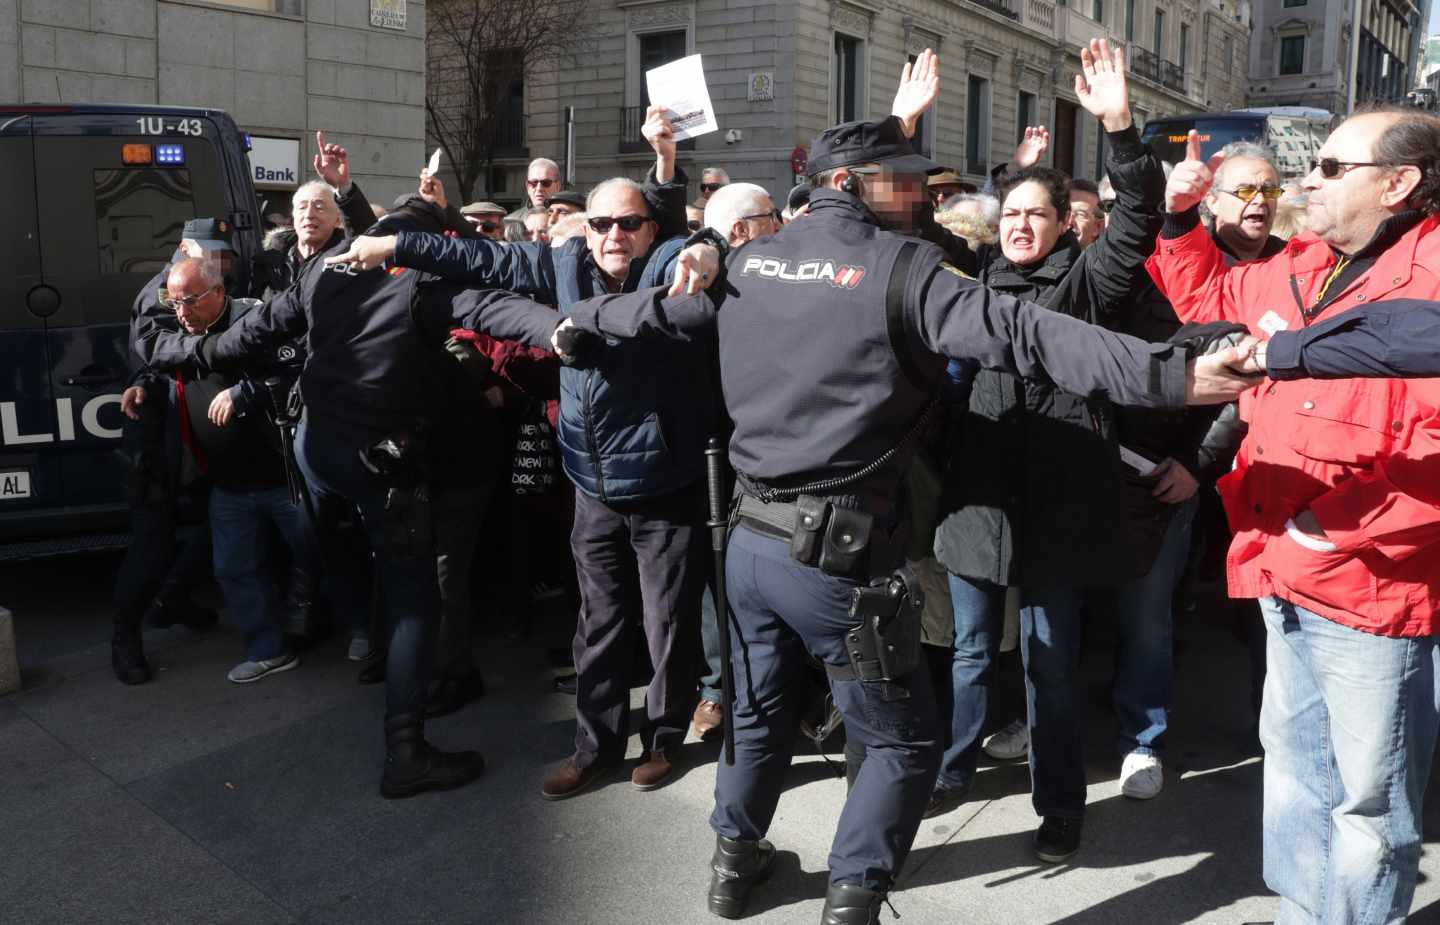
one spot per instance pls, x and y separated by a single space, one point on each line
901 343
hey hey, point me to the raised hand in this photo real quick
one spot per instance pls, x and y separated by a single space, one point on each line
432 190
366 253
1191 179
919 85
1031 148
332 163
658 131
1101 85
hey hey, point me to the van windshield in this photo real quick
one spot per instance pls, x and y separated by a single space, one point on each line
139 215
1167 137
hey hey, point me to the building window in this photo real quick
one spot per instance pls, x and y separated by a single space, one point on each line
1160 34
849 66
1184 45
1229 53
657 48
1097 10
1024 114
1129 20
977 126
1292 54
1290 3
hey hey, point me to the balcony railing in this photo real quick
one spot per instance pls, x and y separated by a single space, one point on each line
632 118
1003 7
1156 69
510 136
1040 14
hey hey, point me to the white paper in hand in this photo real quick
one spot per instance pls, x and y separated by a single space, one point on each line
680 87
434 164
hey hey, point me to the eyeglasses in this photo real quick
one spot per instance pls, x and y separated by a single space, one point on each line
1330 168
628 223
543 184
773 215
1247 193
488 227
710 187
1107 206
187 301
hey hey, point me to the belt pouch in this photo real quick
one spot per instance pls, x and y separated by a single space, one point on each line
847 540
805 542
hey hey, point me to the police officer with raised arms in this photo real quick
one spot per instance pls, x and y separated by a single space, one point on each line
833 336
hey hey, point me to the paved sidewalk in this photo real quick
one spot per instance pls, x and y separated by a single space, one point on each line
194 800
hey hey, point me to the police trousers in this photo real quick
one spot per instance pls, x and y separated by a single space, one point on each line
783 609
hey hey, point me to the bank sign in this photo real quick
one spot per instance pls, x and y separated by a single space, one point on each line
275 162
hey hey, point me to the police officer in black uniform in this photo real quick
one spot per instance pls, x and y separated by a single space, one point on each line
830 358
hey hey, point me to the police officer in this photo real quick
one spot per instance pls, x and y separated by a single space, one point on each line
370 392
830 359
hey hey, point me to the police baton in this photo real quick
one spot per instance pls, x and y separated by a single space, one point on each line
719 525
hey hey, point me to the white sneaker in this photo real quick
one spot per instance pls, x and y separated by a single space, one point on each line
1009 743
1141 776
360 649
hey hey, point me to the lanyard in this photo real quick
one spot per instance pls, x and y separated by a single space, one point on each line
1309 314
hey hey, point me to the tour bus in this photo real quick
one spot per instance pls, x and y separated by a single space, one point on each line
96 197
1294 133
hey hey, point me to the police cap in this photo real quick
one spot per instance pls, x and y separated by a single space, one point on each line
567 197
882 142
213 234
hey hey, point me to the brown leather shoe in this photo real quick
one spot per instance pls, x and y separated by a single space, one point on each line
652 771
708 718
569 779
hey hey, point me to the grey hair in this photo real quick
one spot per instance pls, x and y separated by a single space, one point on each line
1248 150
316 186
730 202
615 183
543 162
719 171
207 268
989 206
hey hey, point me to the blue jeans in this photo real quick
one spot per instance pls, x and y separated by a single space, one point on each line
1051 629
245 566
328 454
979 618
1349 725
1145 659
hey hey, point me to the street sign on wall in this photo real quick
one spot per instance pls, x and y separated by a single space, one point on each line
274 162
388 14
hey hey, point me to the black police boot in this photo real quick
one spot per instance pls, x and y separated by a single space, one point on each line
739 866
413 766
127 656
849 904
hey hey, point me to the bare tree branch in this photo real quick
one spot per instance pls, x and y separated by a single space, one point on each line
478 52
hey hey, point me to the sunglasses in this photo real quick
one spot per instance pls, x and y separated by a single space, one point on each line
1330 168
187 301
693 225
1248 193
543 184
710 187
773 215
488 227
628 223
1107 206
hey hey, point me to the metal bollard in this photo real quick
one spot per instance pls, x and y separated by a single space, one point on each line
9 658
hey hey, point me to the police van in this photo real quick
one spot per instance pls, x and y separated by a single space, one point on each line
96 197
1293 133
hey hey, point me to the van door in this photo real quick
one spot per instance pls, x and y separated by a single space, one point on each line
29 477
116 199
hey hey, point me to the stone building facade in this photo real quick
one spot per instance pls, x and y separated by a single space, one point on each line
779 73
281 68
1333 55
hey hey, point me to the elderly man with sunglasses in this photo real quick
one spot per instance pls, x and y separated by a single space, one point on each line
1336 518
632 436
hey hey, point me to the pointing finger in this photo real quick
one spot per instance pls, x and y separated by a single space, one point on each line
1192 146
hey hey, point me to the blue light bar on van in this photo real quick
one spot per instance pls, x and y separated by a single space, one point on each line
169 155
249 145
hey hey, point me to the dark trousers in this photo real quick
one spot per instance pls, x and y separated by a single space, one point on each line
328 453
246 564
1051 630
781 610
164 562
459 510
979 620
642 559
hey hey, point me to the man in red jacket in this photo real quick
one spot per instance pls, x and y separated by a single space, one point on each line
1335 506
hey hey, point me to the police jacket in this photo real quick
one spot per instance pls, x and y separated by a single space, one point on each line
280 262
1038 497
634 424
821 379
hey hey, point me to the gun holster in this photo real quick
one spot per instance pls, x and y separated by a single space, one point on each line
834 539
408 523
884 643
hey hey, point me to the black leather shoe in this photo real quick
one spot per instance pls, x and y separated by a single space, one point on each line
1057 839
850 904
739 866
450 694
127 657
944 799
197 618
413 766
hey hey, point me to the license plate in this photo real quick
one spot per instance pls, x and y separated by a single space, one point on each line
14 483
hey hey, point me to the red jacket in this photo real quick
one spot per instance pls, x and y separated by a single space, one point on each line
1363 455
